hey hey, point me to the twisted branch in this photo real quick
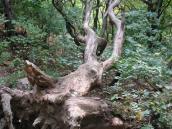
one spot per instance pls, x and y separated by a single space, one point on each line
73 30
118 37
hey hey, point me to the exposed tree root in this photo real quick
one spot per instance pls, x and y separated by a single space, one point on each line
75 112
62 103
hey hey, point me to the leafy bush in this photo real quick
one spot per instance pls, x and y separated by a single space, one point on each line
147 127
5 56
140 92
139 62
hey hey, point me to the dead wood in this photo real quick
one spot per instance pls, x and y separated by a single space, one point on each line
62 103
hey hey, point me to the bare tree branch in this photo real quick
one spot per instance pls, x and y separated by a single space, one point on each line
96 17
91 45
118 38
94 44
73 30
104 24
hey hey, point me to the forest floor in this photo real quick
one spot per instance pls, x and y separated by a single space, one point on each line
3 71
137 105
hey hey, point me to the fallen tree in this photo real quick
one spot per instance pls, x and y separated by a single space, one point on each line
63 103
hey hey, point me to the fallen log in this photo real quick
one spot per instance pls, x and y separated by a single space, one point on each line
62 103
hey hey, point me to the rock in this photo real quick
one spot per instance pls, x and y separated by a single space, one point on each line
23 84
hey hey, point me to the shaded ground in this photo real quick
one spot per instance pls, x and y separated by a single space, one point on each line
3 71
137 105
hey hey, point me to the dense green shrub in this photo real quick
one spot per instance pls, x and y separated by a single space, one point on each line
139 62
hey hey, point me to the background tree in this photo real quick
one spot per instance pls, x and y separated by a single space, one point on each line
9 17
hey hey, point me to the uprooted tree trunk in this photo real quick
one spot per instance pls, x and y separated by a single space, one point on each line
63 103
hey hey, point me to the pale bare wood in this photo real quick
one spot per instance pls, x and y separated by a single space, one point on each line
6 106
118 37
38 77
91 44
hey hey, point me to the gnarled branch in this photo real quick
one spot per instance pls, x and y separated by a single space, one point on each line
73 30
38 77
95 45
91 44
118 38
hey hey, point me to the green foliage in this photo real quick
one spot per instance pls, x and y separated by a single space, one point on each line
17 62
140 62
3 45
143 71
11 79
2 19
72 54
5 56
165 120
147 127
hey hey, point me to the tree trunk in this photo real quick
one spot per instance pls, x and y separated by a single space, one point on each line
63 103
58 103
9 17
96 18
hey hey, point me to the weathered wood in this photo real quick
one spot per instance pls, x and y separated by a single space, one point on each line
73 30
64 100
118 38
6 106
74 112
62 103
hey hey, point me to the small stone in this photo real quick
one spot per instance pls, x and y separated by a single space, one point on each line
23 84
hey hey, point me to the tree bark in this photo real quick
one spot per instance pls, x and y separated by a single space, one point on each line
96 18
73 30
9 17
